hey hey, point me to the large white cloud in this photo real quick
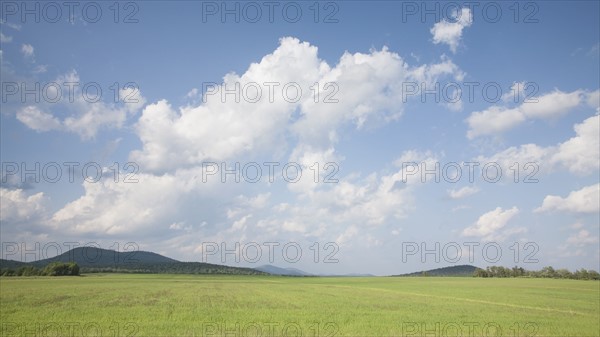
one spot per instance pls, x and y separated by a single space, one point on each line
585 200
493 120
149 203
361 89
497 119
16 205
490 226
578 154
450 33
554 104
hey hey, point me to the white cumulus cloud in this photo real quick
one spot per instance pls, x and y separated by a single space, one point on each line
578 154
585 200
15 205
361 90
497 119
38 120
490 225
450 33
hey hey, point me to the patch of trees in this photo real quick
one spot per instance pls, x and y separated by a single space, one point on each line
546 272
52 269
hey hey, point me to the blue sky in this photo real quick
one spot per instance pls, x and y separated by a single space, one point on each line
370 122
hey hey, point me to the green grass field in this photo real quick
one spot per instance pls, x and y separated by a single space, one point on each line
186 305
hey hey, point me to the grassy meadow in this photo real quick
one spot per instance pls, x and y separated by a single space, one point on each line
188 305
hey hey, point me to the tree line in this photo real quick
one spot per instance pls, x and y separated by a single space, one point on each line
546 272
173 268
59 268
52 269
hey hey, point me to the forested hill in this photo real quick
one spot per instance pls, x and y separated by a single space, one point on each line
462 270
92 259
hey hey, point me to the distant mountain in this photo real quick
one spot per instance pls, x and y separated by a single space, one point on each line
273 270
462 270
95 260
97 257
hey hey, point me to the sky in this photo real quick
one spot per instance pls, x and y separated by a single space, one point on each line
336 137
